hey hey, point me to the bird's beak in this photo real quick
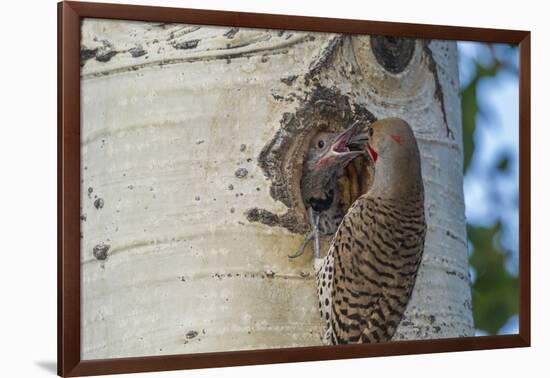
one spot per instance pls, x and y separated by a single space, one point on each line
372 153
339 151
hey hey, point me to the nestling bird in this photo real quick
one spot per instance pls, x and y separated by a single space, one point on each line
327 155
365 281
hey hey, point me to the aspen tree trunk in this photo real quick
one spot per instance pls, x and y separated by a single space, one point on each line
191 138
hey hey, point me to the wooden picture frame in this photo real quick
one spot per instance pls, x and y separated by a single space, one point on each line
70 15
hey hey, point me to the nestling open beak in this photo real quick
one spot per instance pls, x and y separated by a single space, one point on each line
339 151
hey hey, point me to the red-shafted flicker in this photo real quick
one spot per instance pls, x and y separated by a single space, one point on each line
366 279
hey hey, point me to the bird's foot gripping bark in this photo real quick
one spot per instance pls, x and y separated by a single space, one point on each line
314 218
313 234
327 339
300 251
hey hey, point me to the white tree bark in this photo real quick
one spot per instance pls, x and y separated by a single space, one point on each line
185 235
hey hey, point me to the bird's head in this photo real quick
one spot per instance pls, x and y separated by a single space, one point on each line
391 138
332 151
327 155
393 149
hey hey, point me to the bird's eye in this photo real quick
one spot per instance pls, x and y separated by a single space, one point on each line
321 143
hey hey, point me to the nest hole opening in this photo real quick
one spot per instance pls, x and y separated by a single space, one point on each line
355 181
282 159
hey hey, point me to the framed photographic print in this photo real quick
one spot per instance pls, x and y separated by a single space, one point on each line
239 188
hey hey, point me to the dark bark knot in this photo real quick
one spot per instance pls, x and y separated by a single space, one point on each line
392 53
100 251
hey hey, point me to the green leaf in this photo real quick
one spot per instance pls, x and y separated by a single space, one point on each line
469 115
495 295
503 164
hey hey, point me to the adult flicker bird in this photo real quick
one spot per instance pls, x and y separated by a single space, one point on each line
366 279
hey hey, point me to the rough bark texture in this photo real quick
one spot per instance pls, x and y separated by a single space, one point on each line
192 140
